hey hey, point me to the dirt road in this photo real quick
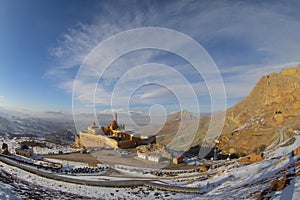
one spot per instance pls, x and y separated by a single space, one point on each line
281 137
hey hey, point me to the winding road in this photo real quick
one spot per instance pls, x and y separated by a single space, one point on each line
281 137
153 183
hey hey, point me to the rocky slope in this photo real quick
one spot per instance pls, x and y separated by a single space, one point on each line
269 114
273 104
275 93
172 126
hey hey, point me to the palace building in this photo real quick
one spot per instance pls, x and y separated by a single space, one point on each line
112 136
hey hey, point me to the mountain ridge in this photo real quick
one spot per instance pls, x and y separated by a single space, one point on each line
252 124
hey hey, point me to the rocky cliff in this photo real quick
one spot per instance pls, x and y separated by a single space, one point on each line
266 116
273 104
276 93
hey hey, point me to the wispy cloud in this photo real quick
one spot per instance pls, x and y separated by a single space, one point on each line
239 80
245 39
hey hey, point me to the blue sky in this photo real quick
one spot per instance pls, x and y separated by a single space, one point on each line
43 44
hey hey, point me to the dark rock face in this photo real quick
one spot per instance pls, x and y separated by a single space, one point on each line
4 149
4 146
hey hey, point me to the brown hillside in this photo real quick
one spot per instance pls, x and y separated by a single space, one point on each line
274 92
254 123
272 104
171 127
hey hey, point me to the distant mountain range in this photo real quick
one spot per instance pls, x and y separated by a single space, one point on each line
52 124
52 130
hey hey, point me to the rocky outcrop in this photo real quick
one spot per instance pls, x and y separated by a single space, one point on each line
276 93
253 122
296 151
251 159
181 116
4 149
203 168
251 125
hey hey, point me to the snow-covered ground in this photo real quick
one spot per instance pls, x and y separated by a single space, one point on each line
79 190
282 149
6 192
52 148
235 181
48 148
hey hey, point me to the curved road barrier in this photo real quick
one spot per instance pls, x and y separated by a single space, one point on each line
111 183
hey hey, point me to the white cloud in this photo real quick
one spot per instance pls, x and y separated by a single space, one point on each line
161 92
239 80
262 36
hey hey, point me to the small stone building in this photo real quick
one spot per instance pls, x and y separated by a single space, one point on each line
177 160
154 158
25 151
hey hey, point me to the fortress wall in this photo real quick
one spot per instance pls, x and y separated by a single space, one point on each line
136 140
150 140
125 135
78 142
110 142
90 140
97 138
125 144
91 143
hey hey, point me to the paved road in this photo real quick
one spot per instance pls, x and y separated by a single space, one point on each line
112 183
